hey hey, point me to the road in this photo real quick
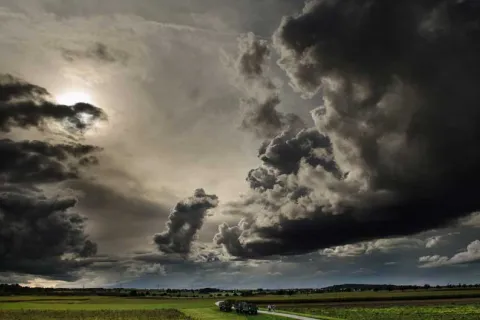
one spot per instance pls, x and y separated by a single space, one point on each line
286 315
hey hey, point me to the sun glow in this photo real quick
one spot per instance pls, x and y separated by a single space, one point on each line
73 97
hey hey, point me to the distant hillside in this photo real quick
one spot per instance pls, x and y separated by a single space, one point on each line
389 287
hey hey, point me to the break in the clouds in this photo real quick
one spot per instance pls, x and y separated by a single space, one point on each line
41 235
400 111
184 222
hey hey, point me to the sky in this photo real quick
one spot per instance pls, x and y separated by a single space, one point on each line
239 144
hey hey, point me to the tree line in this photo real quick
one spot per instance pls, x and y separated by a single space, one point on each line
16 289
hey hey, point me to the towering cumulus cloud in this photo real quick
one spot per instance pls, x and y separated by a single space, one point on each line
39 235
184 222
395 149
262 98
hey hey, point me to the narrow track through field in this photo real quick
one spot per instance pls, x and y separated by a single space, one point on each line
287 315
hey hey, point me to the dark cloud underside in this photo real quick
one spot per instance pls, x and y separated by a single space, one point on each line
399 80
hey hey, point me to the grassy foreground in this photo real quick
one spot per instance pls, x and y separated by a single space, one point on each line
107 308
434 312
166 314
125 308
99 303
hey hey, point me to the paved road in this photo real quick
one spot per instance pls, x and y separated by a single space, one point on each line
286 315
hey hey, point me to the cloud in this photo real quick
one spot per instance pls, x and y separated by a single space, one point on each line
98 52
253 55
229 238
260 114
41 235
389 82
473 220
433 241
472 254
25 105
140 270
118 206
14 88
42 162
381 245
285 152
184 222
36 233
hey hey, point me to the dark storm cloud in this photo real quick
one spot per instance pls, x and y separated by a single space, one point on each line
184 222
282 156
26 106
14 88
35 232
285 151
42 162
97 52
399 80
229 238
260 107
38 235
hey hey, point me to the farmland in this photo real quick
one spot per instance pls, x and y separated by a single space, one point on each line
112 308
379 296
405 312
166 314
382 305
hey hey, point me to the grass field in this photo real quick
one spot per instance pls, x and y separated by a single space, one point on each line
432 312
164 314
99 303
107 308
431 294
352 306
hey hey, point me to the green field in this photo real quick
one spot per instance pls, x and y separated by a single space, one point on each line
166 314
433 312
159 314
330 297
100 308
126 308
100 303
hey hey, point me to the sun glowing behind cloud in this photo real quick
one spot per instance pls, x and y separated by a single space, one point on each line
73 97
